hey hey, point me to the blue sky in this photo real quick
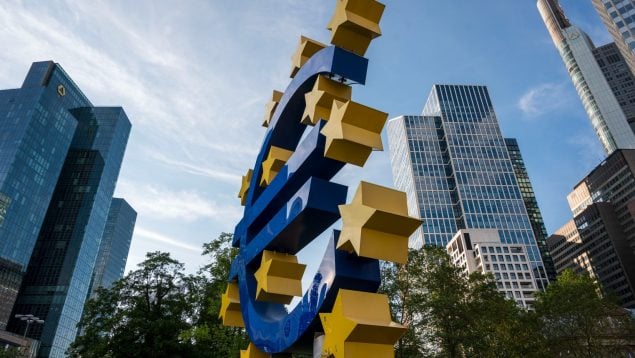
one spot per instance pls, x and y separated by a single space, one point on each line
194 77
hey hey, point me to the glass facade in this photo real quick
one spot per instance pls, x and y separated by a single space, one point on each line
114 246
619 18
36 129
57 280
599 101
454 163
616 71
529 197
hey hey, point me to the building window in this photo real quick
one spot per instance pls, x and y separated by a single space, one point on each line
4 206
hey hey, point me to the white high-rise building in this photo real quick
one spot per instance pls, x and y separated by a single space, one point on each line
481 250
577 52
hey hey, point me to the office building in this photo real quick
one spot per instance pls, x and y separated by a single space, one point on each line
114 246
65 253
531 204
454 165
618 17
578 53
59 162
600 240
36 129
481 250
619 77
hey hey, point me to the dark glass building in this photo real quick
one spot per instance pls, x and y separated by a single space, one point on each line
455 168
531 204
59 161
115 244
36 130
58 276
600 240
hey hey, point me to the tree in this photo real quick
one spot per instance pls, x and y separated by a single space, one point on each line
450 314
11 352
208 333
159 311
142 315
578 322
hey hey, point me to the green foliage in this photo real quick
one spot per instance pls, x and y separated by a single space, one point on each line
11 352
579 322
452 315
449 314
159 311
207 333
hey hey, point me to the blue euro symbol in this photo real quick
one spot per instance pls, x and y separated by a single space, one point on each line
297 206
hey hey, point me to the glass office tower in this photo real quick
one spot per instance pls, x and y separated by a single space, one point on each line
529 197
36 129
115 244
599 101
454 165
618 17
58 276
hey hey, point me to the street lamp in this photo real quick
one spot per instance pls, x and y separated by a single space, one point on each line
29 318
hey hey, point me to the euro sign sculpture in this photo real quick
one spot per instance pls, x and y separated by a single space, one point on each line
314 129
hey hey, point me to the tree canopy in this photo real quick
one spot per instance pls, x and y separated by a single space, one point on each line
159 311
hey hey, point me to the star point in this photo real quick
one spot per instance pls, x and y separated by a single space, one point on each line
230 312
306 48
244 186
376 224
320 100
352 132
253 352
279 278
270 108
355 24
276 159
359 325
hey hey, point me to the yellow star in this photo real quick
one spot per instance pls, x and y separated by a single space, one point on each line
270 108
320 100
244 187
276 159
303 53
253 352
355 24
230 307
360 326
279 277
352 132
376 224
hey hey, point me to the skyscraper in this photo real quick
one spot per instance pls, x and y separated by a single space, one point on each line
59 162
529 197
57 280
600 240
454 165
114 246
36 129
618 16
578 53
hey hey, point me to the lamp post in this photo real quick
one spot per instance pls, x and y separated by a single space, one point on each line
29 318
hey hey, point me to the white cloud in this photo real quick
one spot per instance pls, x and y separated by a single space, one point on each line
544 98
155 236
195 169
153 201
